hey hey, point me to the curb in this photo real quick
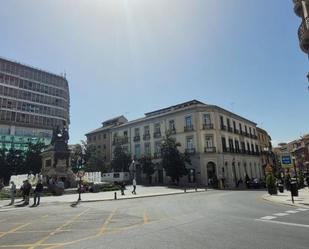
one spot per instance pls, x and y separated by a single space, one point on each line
144 196
285 203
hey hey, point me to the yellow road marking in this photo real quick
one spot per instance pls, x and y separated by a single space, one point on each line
39 242
107 221
13 230
145 218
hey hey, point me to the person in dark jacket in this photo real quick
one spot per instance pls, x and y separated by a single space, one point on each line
37 193
26 190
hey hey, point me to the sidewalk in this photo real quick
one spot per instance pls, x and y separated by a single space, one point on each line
142 191
285 198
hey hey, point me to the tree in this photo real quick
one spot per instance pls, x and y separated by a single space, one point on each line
86 157
15 162
33 158
121 160
4 170
147 166
76 158
173 161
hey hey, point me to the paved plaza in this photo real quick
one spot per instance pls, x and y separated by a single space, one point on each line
199 220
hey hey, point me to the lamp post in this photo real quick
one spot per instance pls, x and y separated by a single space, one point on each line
294 165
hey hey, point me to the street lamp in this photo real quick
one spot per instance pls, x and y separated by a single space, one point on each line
294 165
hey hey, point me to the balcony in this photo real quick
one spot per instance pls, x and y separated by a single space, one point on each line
246 134
303 35
190 151
137 138
236 131
157 134
208 126
120 140
146 137
230 129
210 149
188 128
223 127
298 8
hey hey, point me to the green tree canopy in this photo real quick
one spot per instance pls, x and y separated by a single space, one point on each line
147 166
86 157
33 158
173 161
121 160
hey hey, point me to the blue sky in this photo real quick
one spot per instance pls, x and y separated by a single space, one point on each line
134 56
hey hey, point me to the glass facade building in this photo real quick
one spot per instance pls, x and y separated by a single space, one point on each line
32 103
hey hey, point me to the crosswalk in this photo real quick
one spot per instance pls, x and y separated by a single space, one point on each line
286 213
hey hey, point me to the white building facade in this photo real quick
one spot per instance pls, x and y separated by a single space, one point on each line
221 144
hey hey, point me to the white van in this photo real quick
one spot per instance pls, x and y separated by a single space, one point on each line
116 177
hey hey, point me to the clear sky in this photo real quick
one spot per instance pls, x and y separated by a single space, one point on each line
135 56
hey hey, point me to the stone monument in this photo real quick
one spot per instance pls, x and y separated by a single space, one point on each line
56 159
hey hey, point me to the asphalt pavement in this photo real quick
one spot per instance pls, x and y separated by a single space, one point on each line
202 220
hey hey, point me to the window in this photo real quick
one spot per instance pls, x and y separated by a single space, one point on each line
125 133
146 130
237 146
188 121
228 122
240 128
248 147
157 128
136 132
250 131
104 135
221 121
231 145
234 125
207 119
223 144
209 141
252 148
189 143
246 129
158 147
137 150
147 149
171 125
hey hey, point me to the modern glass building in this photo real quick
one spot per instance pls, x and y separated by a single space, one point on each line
32 103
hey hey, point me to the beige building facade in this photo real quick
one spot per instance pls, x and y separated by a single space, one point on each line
101 138
221 144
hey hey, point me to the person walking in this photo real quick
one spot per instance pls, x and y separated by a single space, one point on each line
37 193
12 193
27 190
122 188
134 186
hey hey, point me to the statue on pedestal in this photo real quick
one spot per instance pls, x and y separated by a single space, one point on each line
57 159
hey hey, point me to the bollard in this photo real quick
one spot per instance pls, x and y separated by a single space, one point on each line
195 189
115 194
185 190
205 188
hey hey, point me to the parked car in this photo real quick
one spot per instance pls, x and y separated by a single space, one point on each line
256 183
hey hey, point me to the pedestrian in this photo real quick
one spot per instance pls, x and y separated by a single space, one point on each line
37 193
122 188
307 180
134 186
12 193
247 179
22 187
27 189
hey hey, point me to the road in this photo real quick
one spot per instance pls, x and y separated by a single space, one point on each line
204 220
